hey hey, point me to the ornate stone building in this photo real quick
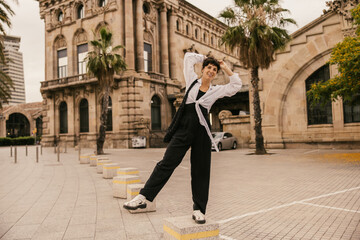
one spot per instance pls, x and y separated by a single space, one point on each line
288 120
155 34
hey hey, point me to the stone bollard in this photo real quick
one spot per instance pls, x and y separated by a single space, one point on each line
185 228
93 160
132 191
109 170
120 184
85 159
99 166
127 171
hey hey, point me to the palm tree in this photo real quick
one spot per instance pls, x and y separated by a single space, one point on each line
103 63
6 83
256 28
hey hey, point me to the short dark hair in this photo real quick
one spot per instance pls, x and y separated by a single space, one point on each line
213 61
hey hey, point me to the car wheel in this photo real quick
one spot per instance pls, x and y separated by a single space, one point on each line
234 145
220 147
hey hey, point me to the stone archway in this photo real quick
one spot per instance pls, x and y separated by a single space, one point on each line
17 125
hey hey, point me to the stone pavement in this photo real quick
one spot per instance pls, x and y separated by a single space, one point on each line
291 194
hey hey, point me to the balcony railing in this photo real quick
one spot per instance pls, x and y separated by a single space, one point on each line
66 80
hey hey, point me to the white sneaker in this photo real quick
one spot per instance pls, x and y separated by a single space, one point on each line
137 202
199 217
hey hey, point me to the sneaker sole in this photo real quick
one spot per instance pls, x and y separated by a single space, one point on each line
198 221
142 206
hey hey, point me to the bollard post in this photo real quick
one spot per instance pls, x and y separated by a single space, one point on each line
55 148
26 150
65 147
58 154
11 151
15 154
37 154
41 149
79 152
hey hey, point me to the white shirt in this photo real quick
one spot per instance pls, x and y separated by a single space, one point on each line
212 94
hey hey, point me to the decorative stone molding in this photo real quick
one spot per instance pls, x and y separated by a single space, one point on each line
224 114
342 7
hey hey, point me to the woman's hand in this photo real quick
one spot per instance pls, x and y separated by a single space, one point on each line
225 68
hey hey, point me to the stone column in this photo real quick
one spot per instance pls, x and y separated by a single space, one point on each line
164 41
139 36
173 53
129 35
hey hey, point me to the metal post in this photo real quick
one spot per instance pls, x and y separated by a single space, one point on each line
15 154
26 150
79 151
58 154
11 151
55 148
37 154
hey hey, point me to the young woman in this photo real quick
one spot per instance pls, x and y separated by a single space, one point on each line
193 132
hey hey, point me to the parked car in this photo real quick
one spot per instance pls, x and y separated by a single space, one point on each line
224 140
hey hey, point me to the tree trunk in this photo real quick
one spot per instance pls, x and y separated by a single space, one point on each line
259 139
103 119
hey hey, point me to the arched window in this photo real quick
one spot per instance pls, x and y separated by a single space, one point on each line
352 110
102 3
187 29
318 114
82 51
196 33
62 63
84 115
80 11
63 117
60 16
177 25
204 37
17 125
155 113
212 41
109 126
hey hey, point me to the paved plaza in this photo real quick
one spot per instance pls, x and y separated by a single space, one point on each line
290 194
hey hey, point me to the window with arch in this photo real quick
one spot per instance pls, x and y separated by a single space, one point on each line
187 29
147 57
17 125
196 33
82 51
204 37
84 115
80 11
63 117
62 62
317 113
155 113
109 125
212 41
102 3
60 16
352 110
177 25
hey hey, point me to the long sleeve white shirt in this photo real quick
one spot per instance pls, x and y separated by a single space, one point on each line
212 94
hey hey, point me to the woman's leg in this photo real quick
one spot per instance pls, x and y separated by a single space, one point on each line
200 169
173 156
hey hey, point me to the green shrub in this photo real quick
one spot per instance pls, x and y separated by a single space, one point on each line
17 141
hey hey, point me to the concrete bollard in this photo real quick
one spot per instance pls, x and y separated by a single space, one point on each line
85 159
185 228
132 191
120 184
99 165
109 170
127 171
93 160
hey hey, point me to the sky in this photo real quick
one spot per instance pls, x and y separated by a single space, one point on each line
28 25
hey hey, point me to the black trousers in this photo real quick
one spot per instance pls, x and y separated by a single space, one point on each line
190 134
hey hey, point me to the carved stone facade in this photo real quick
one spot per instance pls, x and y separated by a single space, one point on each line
154 39
287 118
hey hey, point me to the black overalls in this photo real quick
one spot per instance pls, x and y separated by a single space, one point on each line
189 134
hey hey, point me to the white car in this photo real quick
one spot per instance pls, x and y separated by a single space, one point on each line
224 140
